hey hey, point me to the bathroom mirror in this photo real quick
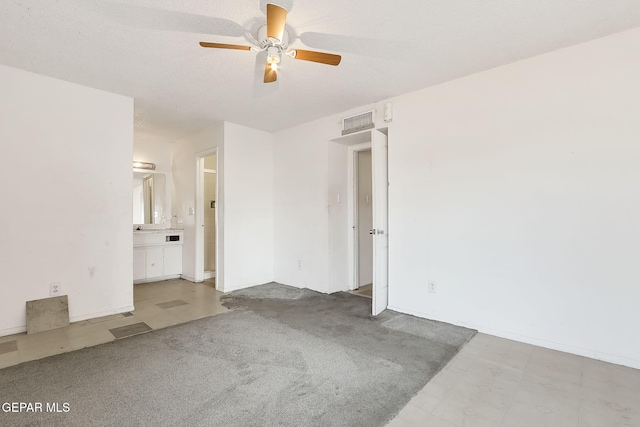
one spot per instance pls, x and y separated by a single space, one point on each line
148 198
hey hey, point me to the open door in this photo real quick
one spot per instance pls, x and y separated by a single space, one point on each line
379 147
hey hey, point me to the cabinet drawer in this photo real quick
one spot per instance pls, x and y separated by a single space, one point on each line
144 239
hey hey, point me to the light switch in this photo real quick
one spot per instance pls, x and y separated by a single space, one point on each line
192 211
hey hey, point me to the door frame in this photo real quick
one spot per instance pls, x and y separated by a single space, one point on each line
199 217
359 141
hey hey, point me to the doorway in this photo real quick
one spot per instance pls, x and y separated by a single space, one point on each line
375 142
209 188
209 219
363 211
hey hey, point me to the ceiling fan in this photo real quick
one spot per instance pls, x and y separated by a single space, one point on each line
274 39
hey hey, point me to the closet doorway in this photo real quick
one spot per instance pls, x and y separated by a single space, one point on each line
210 196
363 212
367 212
209 218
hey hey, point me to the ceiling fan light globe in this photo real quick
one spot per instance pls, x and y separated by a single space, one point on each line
273 55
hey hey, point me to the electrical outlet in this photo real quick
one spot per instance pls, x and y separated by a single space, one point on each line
54 289
299 264
432 287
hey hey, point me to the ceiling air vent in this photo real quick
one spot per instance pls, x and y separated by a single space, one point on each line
357 123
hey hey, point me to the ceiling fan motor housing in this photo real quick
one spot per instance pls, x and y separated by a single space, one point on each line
266 42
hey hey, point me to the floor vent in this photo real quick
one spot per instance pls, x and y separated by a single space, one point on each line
357 123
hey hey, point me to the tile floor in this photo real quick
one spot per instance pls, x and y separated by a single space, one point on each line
491 382
363 291
157 305
498 382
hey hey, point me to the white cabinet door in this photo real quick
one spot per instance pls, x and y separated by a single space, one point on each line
139 264
155 262
172 260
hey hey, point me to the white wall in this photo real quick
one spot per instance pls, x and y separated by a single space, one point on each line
66 197
159 153
244 203
338 210
300 206
514 190
248 207
184 154
526 217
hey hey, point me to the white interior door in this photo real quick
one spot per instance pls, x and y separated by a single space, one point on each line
379 147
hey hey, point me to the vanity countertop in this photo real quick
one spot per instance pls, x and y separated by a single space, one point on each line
159 230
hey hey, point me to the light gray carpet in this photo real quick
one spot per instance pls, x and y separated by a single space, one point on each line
283 356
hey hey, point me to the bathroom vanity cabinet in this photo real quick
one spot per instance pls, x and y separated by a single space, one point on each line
157 255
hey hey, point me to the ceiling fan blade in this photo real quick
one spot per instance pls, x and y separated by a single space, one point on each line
276 18
225 46
270 75
323 58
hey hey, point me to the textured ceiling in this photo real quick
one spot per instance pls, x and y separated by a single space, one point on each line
148 49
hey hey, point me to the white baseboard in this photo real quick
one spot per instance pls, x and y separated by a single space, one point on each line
590 353
237 288
13 331
248 285
156 279
189 278
209 275
101 314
